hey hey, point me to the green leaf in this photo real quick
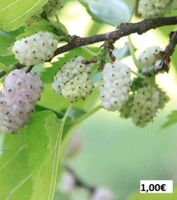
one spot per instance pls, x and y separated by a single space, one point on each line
172 119
112 12
27 162
41 146
15 174
52 100
4 67
38 25
6 41
14 14
8 59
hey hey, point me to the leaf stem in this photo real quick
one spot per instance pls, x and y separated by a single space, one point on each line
42 108
57 156
85 116
66 36
137 74
132 51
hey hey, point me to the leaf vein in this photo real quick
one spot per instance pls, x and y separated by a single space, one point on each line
22 15
12 157
22 182
7 7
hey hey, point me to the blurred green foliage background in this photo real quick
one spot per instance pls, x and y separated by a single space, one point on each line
115 153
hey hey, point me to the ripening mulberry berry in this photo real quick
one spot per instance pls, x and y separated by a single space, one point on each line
52 6
116 85
149 58
35 49
103 194
147 101
154 8
126 108
163 98
73 80
17 99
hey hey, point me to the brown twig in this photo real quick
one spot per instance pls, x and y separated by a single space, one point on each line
164 57
29 68
79 182
169 50
123 30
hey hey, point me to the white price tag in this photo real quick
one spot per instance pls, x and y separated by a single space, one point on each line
156 186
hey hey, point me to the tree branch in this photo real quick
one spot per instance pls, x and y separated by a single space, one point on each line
123 30
169 50
79 182
164 57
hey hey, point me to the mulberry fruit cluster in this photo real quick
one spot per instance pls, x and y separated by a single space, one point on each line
149 58
163 98
18 97
35 49
52 6
73 80
144 104
126 107
154 8
116 85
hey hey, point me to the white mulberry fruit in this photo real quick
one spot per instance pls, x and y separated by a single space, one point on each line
73 80
17 99
35 49
163 99
147 101
154 8
126 107
52 6
116 85
150 58
103 194
144 103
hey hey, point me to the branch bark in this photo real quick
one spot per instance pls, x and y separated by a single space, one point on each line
79 182
170 48
123 30
164 56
